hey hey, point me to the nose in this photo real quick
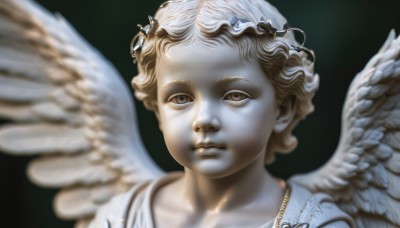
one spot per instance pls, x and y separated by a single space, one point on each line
206 119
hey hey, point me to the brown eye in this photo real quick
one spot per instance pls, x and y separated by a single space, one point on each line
236 96
181 99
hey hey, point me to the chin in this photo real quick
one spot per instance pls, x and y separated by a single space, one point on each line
213 169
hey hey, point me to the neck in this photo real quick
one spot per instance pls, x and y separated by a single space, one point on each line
241 188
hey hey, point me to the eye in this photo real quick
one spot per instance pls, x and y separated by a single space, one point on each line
236 96
180 99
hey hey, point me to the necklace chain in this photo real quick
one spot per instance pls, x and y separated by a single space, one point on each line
282 208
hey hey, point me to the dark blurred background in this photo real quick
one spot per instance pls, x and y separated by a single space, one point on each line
344 35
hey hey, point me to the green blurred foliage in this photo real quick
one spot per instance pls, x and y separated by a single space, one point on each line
344 35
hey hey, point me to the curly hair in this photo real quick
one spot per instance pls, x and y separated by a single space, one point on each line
234 23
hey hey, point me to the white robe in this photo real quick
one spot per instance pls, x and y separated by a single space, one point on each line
133 209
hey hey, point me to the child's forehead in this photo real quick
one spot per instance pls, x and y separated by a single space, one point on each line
197 62
193 53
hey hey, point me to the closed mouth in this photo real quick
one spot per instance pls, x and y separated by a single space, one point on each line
208 146
208 150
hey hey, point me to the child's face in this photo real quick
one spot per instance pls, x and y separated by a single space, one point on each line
216 110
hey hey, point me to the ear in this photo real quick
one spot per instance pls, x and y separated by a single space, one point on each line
286 110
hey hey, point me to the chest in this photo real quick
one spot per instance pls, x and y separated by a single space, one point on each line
176 216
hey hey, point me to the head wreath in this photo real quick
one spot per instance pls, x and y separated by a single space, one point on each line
262 25
266 25
145 32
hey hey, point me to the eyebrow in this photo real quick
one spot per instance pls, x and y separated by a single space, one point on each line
231 79
218 82
182 83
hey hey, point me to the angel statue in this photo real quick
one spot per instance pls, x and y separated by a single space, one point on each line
228 83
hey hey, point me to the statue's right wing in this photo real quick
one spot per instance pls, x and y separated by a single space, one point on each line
69 105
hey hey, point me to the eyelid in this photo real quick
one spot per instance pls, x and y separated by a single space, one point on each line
175 95
237 91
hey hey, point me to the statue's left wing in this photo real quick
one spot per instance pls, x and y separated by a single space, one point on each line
363 175
70 106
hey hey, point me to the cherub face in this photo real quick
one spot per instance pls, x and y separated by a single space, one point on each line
216 109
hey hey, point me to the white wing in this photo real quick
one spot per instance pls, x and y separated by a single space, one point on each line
69 105
364 173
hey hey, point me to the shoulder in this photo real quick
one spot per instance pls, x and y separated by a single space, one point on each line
314 209
132 207
114 213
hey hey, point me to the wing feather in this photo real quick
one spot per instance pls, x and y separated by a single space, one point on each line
42 138
10 90
83 202
58 171
21 113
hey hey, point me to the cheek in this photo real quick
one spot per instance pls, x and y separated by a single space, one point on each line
176 135
177 145
252 136
250 141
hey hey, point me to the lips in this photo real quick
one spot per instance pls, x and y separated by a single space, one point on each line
208 145
208 150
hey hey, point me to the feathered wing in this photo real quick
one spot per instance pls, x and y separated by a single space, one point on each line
364 173
70 106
